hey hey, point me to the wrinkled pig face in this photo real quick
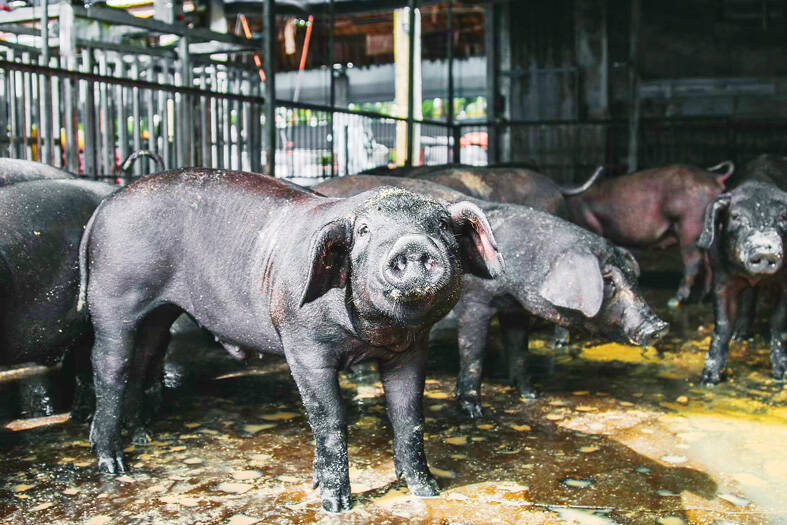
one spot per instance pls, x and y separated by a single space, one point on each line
403 254
605 293
750 223
625 315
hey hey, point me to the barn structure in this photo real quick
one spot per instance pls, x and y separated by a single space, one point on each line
669 105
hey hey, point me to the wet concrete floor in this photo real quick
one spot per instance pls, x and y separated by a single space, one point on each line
618 436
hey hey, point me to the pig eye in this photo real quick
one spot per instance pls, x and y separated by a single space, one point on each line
363 229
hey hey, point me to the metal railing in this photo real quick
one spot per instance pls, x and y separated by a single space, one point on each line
570 150
116 106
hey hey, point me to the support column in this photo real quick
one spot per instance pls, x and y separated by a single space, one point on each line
410 82
634 98
45 103
492 88
269 24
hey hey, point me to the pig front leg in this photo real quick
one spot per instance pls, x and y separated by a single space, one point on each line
725 299
403 383
319 387
515 341
778 324
473 328
746 310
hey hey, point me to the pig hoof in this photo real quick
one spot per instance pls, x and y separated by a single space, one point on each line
141 436
780 374
472 409
424 487
336 500
710 378
673 304
528 394
111 465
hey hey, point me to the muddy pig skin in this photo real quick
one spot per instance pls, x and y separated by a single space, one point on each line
42 223
654 208
269 267
555 270
507 184
743 234
14 170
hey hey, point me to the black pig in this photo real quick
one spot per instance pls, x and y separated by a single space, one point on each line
15 170
270 267
555 270
41 223
743 234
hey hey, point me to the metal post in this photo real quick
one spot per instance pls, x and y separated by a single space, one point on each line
332 96
269 24
45 132
410 82
634 99
491 44
450 110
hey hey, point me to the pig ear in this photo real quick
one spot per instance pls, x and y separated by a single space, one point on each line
477 243
712 213
575 282
629 258
328 259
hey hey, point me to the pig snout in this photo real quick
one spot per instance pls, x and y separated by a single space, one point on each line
414 267
762 252
651 329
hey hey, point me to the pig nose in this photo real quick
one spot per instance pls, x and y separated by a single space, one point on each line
414 265
652 330
764 253
764 260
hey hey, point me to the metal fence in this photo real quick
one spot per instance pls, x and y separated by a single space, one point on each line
570 151
112 104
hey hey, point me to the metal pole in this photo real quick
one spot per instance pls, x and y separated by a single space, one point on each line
634 100
450 109
410 82
332 95
45 132
269 23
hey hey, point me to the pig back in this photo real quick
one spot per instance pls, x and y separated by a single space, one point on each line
15 170
41 224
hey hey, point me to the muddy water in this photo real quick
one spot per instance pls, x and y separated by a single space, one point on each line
618 436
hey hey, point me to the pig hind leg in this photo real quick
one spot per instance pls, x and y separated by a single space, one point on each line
514 327
688 231
473 329
143 393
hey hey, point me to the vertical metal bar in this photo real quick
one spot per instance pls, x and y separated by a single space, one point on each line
205 156
136 127
151 77
246 128
332 95
215 122
13 146
27 109
107 156
634 99
450 110
45 133
56 106
120 103
89 126
163 101
410 83
269 25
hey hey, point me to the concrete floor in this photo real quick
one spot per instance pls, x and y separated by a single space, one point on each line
618 436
